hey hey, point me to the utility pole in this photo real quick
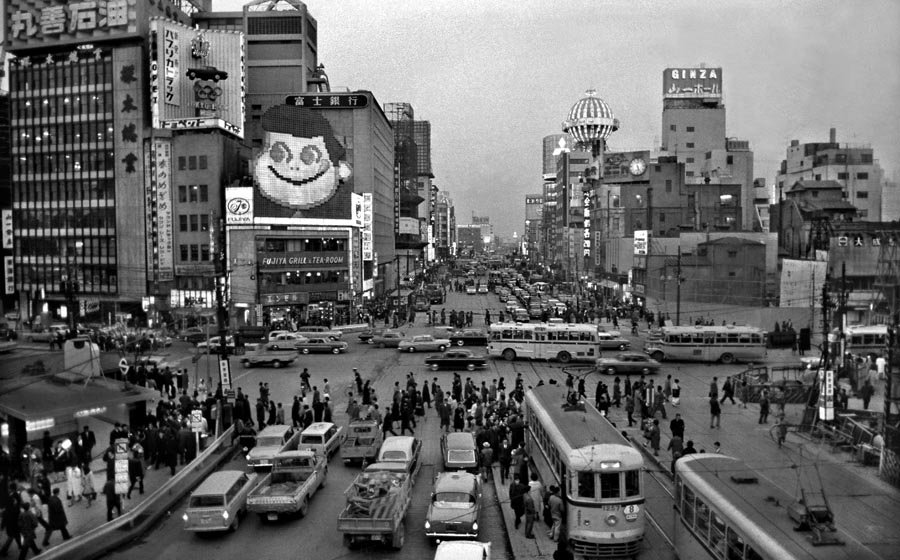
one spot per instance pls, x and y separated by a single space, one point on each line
826 303
678 289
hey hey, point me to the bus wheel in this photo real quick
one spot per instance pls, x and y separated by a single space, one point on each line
658 356
564 357
727 358
509 355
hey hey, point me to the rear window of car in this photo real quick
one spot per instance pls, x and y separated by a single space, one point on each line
311 439
207 501
461 456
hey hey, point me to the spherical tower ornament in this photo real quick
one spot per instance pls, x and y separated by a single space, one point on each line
590 120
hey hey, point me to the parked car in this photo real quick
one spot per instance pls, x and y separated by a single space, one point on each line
455 506
628 362
482 289
45 334
219 502
324 438
423 343
269 355
388 339
193 334
322 344
275 334
214 346
609 341
469 337
319 330
456 359
367 335
459 452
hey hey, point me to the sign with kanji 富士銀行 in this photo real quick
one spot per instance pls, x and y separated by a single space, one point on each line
328 101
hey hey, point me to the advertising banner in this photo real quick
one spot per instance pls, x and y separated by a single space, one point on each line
239 206
692 83
826 394
162 156
641 240
196 77
367 232
9 275
409 226
7 219
36 23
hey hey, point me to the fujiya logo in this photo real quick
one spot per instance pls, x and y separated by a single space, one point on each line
238 206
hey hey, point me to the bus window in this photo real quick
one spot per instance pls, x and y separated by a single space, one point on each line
687 506
586 486
507 334
717 535
744 338
702 525
735 546
495 335
526 335
732 338
699 338
609 485
587 336
752 554
633 483
551 336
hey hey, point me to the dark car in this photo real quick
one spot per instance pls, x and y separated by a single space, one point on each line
628 362
456 359
469 338
459 452
367 335
609 341
194 335
207 73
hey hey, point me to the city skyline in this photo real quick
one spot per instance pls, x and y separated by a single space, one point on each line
513 74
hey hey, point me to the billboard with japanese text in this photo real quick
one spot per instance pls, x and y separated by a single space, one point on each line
36 23
196 77
692 83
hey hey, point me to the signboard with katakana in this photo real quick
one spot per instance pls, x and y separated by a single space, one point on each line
37 24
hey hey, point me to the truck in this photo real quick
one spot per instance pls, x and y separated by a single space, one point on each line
269 354
363 441
287 490
377 503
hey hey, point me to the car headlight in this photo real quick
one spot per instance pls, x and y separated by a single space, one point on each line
185 517
427 525
475 526
247 457
225 514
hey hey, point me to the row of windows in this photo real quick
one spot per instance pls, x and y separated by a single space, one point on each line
674 128
38 77
193 222
542 439
194 252
192 162
68 104
78 162
303 245
90 278
193 193
548 336
48 247
61 191
845 176
100 217
609 484
270 280
53 136
712 529
715 338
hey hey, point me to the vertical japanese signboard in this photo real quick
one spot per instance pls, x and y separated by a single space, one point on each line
367 227
159 211
826 394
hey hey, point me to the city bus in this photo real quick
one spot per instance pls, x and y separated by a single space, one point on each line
703 343
544 341
597 470
866 340
737 514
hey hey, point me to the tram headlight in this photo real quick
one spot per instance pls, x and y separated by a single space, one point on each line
611 520
475 526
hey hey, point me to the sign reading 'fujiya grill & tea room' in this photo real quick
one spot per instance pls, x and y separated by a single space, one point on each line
328 259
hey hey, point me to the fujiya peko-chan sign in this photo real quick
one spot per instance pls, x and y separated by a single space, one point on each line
36 24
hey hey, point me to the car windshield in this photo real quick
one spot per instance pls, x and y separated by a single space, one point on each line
270 441
453 499
461 456
393 456
207 501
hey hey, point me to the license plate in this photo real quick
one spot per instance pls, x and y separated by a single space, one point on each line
375 537
272 516
610 508
205 520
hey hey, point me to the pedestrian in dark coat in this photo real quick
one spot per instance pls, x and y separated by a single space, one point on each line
135 474
113 500
728 391
10 523
517 492
505 459
260 414
28 523
426 395
764 407
56 518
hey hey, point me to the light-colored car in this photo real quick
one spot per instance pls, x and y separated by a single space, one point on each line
388 339
482 289
215 345
463 550
628 362
46 334
219 502
455 505
319 330
423 343
471 290
271 441
269 354
323 438
608 341
287 341
322 344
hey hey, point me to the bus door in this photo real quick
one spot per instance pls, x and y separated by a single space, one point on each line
540 344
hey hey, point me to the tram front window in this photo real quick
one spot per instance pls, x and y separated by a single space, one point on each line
632 483
587 485
609 485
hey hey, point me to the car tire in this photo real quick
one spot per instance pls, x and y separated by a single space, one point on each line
399 537
305 350
246 364
304 508
412 349
658 356
381 344
460 343
217 77
276 364
335 350
434 367
727 358
623 347
470 367
610 371
564 357
646 371
441 348
235 525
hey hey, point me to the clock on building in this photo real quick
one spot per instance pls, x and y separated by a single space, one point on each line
637 166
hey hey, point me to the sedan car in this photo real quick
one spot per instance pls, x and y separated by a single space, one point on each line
214 345
455 505
469 337
628 362
207 73
463 550
41 334
322 344
456 359
388 339
471 290
287 341
482 289
608 341
367 335
423 343
318 330
459 452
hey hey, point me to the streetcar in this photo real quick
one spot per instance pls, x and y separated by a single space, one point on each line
544 341
866 340
705 343
736 514
598 472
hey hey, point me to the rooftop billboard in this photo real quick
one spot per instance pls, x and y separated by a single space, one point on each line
196 78
41 23
692 83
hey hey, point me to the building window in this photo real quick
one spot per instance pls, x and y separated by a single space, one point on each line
184 252
672 127
182 193
257 142
195 252
195 222
182 163
662 217
202 162
862 194
192 162
690 129
668 185
731 273
729 160
815 194
192 193
865 158
204 222
843 175
204 252
863 213
657 168
689 173
183 222
689 144
862 175
204 193
818 176
256 107
689 160
732 254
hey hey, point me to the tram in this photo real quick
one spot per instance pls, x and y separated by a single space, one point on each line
737 514
598 472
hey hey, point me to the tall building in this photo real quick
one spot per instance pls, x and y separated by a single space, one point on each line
693 131
551 148
534 216
854 167
424 185
410 229
565 230
444 226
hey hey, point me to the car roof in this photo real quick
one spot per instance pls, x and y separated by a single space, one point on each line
462 550
451 481
218 482
461 440
274 430
317 428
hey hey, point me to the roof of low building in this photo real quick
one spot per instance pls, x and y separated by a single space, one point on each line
806 185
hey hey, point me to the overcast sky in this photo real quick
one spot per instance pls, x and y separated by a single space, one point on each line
494 78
